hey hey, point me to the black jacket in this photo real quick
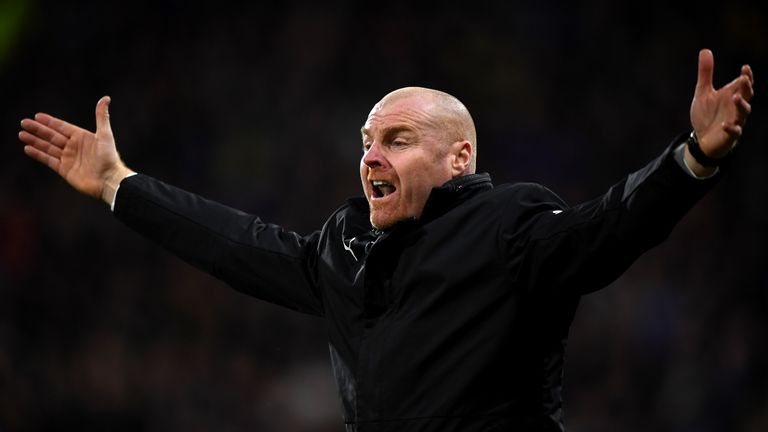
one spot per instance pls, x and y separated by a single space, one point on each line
456 321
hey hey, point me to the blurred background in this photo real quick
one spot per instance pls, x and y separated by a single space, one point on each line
259 106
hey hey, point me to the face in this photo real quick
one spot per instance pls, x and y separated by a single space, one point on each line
404 157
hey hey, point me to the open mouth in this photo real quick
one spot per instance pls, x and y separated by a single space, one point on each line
381 189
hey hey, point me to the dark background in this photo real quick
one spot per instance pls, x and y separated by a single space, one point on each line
259 106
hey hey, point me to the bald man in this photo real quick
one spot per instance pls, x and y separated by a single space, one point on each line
447 299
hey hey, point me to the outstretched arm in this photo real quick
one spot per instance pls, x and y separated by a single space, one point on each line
580 249
259 259
88 161
718 115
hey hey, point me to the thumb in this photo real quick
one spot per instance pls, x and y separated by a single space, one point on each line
102 114
706 66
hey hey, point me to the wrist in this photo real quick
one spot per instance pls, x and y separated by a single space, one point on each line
112 182
696 156
694 167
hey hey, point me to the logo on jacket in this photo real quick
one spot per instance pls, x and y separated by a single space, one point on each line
348 247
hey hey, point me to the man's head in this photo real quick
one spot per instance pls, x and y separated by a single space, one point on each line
414 139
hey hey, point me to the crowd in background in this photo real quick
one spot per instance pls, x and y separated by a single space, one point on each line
259 107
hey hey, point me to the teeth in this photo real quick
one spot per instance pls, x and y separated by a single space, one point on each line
381 188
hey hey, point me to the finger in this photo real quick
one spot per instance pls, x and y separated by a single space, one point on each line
741 85
44 132
742 106
733 130
102 113
747 70
748 91
56 124
40 144
44 158
706 66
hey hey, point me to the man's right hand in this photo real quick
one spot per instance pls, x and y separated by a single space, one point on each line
88 161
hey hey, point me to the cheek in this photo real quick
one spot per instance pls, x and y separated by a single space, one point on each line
363 171
418 184
421 181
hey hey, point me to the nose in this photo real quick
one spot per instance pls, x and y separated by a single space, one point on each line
373 157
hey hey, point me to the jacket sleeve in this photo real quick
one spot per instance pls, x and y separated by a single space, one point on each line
561 250
256 258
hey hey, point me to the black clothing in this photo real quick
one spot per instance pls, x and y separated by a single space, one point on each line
456 321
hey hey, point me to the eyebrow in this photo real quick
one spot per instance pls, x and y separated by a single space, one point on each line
389 131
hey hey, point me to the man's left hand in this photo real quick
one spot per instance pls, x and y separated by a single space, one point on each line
718 115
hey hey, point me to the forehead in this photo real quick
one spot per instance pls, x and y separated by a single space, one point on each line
410 113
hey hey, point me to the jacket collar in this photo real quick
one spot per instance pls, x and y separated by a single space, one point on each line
441 199
453 193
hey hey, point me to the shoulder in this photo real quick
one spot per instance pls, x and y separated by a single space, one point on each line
527 195
524 203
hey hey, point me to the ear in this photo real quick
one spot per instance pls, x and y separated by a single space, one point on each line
461 152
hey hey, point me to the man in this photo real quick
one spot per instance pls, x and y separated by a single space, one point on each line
447 300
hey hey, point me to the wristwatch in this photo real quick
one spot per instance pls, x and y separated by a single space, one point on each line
698 154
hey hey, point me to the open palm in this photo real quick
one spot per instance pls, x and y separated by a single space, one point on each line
83 158
718 115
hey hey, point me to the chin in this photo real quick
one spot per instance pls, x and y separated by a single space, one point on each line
382 221
381 224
